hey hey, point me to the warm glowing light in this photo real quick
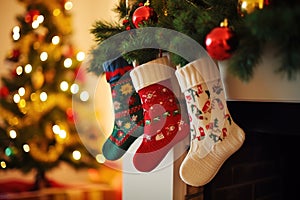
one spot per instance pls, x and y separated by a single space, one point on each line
28 68
33 97
56 129
44 56
76 155
16 33
16 98
12 134
62 134
55 40
68 5
74 88
43 96
68 62
3 164
80 56
40 19
16 36
21 91
35 24
100 158
244 5
64 86
56 12
84 96
19 70
16 29
22 103
26 148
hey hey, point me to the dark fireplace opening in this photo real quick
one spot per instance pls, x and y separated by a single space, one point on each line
266 167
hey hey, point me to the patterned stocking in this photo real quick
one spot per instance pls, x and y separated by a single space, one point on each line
215 136
165 125
128 124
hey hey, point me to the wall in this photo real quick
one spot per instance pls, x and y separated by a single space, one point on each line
266 84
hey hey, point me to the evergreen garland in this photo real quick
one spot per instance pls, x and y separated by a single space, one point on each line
276 24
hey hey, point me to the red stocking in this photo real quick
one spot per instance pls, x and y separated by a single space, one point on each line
164 125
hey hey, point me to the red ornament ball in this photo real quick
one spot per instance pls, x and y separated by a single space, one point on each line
221 42
143 14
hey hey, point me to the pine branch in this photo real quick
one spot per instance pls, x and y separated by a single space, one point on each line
276 23
102 30
290 59
244 60
121 9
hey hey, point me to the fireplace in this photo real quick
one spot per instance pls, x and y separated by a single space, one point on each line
266 166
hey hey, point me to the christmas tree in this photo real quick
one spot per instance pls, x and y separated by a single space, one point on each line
242 28
37 123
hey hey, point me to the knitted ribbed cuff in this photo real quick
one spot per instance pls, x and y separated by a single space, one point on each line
151 72
195 73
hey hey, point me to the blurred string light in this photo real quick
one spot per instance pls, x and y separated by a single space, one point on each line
62 134
56 129
12 134
76 155
21 91
68 5
3 164
44 56
36 23
19 70
33 96
28 68
100 158
80 56
68 63
8 151
56 12
43 96
84 96
64 86
74 88
16 33
22 103
16 98
40 19
55 40
26 148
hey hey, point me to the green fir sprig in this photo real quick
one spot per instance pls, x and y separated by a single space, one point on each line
276 24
